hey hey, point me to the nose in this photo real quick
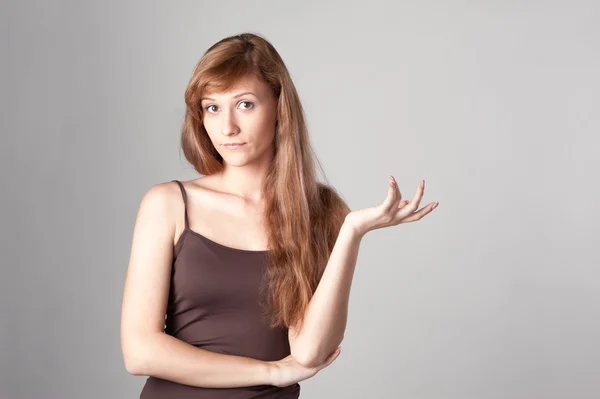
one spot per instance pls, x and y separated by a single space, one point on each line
229 124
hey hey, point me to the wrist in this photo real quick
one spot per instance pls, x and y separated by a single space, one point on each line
352 227
271 373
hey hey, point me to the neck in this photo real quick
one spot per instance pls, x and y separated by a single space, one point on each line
245 182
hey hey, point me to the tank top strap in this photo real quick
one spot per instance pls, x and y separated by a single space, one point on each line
184 195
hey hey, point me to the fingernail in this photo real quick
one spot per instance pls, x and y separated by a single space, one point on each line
422 183
434 206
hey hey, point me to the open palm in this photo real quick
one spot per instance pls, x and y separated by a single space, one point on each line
392 211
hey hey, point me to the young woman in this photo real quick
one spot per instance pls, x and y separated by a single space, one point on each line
251 263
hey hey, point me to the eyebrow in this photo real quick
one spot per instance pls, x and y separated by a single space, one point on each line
236 96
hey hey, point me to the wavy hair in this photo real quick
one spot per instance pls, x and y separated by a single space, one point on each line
302 216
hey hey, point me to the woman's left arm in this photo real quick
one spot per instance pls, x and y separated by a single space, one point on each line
325 316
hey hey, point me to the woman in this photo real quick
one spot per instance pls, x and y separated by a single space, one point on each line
252 263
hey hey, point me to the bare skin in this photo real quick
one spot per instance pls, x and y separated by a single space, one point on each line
392 212
223 217
289 371
227 208
325 317
146 349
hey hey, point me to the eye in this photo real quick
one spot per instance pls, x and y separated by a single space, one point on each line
249 106
248 102
208 107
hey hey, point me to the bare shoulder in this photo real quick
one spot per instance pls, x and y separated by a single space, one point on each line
160 201
205 185
207 194
160 195
148 272
164 201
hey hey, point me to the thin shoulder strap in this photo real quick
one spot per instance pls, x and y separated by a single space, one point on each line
184 195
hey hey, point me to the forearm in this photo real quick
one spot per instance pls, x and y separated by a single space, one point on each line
169 358
327 312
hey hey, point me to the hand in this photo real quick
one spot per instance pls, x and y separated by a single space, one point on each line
288 371
391 212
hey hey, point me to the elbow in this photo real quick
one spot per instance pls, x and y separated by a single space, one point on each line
132 367
133 363
312 357
309 356
134 358
306 358
302 354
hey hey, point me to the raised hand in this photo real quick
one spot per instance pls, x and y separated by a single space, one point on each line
288 371
391 212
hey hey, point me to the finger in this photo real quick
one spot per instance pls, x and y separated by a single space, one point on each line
392 199
397 188
403 204
419 215
389 201
419 194
330 358
397 195
333 356
412 206
416 200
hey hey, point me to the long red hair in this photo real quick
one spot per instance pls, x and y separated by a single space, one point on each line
302 216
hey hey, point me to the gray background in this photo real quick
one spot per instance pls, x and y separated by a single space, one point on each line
494 103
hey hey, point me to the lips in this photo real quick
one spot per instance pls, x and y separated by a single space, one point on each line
233 145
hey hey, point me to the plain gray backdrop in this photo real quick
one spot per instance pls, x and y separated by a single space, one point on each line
495 294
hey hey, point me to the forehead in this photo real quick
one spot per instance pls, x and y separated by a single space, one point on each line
248 83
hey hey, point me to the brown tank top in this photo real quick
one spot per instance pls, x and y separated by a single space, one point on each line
213 304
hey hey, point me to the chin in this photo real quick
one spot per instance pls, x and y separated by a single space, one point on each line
237 162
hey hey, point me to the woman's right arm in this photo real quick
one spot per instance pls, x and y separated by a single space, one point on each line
146 349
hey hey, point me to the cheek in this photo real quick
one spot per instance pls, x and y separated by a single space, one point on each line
210 130
207 125
265 135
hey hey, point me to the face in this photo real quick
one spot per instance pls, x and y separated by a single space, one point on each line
244 114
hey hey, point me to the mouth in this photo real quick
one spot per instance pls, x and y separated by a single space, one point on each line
233 145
